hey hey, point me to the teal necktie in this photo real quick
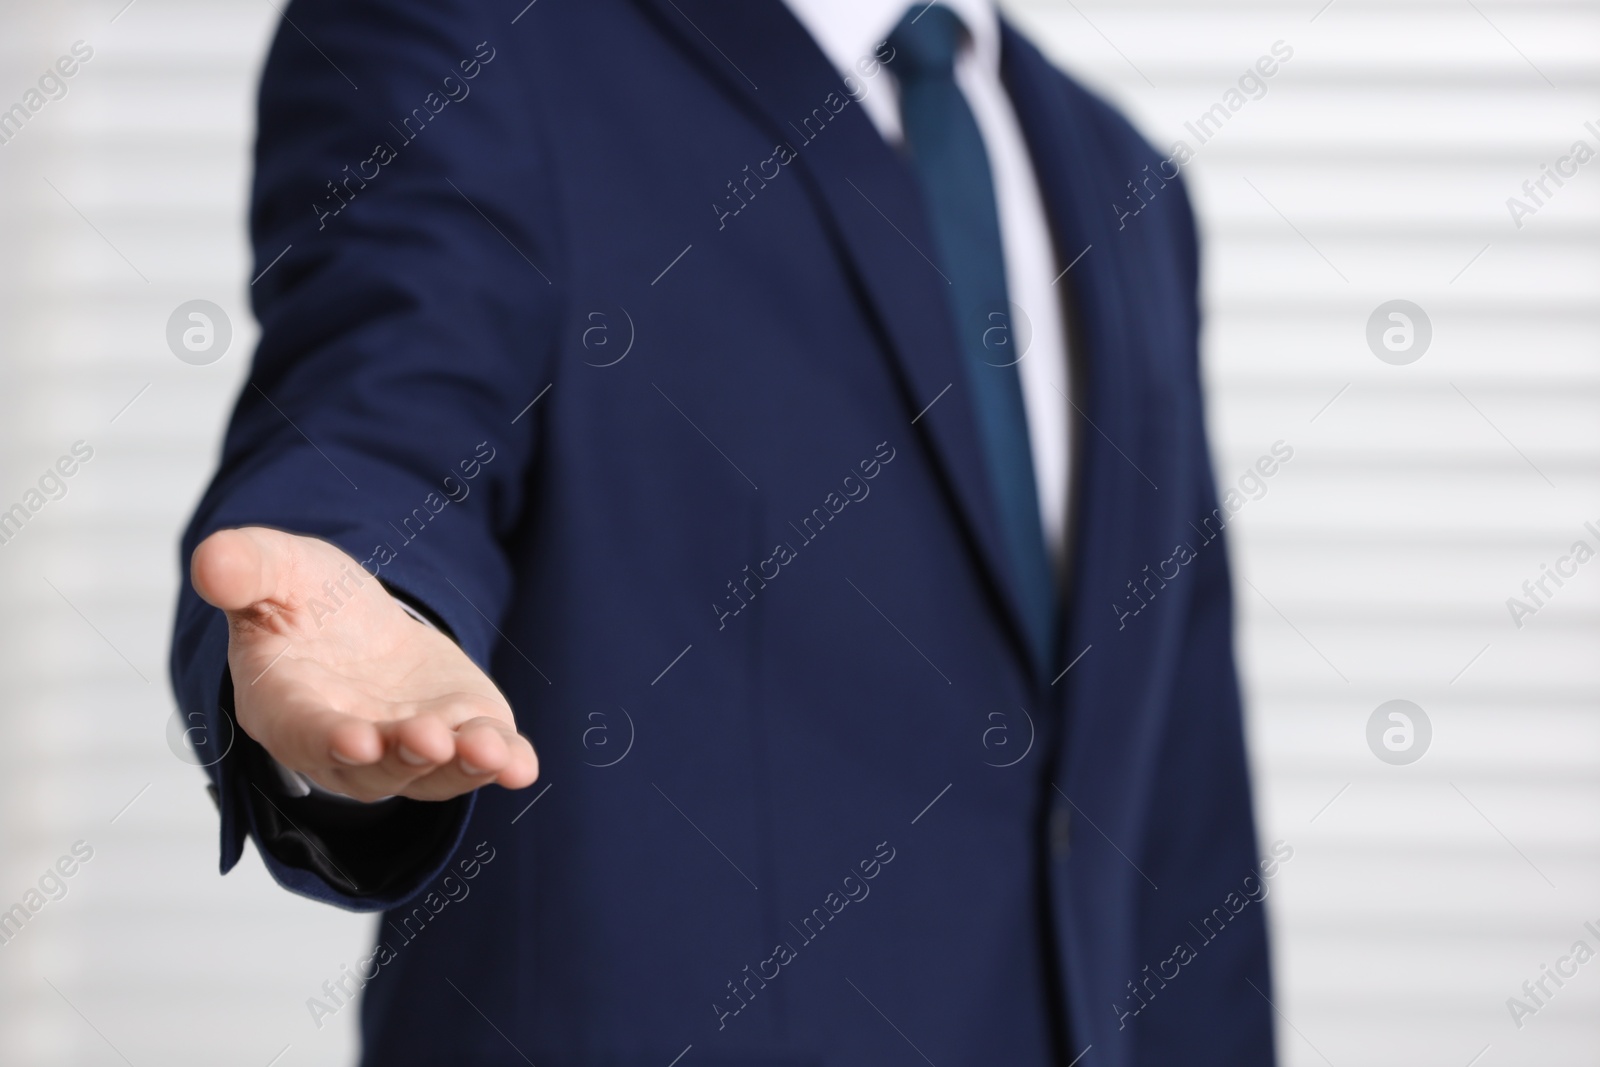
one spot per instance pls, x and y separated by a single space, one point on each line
946 152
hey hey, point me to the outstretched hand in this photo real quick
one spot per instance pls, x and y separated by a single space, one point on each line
338 682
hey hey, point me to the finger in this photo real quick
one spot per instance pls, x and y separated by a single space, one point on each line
357 763
491 747
522 769
412 748
354 742
487 750
482 747
421 743
311 738
236 569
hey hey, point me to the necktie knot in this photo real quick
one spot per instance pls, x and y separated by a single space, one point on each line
925 42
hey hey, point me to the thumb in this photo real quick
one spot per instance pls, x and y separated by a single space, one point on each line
235 569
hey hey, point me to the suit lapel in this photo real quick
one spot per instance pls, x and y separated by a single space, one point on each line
875 210
1107 336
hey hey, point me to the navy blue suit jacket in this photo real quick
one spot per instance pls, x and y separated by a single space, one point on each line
604 333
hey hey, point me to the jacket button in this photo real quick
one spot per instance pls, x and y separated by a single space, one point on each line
1060 832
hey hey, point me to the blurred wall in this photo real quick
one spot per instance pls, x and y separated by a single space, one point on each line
123 199
1430 477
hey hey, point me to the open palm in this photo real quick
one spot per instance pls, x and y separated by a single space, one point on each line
338 682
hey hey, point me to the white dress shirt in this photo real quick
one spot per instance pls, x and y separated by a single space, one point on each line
849 30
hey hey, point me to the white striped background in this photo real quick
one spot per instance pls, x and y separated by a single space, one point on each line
1376 567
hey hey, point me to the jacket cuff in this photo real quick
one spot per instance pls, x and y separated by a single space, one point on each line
354 855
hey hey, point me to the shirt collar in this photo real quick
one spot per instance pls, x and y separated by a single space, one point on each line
849 30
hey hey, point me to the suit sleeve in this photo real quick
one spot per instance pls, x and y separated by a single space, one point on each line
404 253
1203 834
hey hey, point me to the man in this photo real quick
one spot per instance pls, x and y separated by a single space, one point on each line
879 670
